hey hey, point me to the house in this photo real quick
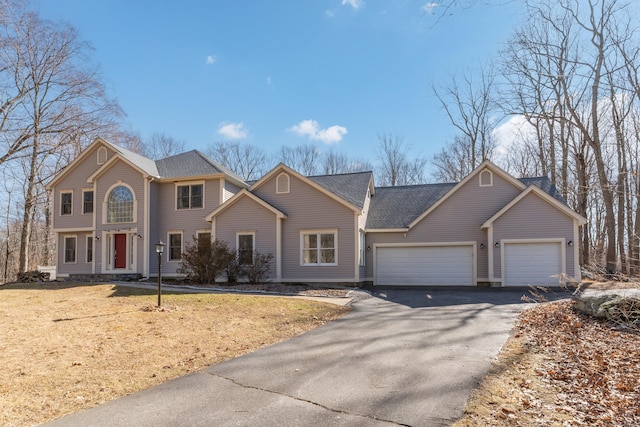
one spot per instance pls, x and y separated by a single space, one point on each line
111 207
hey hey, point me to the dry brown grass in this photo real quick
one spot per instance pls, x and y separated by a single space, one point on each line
560 368
65 347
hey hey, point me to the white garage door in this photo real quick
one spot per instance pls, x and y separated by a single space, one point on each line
532 263
424 266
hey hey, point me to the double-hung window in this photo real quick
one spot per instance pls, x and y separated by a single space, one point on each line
189 196
245 248
87 201
319 248
70 249
66 203
89 248
175 246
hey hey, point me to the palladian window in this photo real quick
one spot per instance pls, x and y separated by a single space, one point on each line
120 205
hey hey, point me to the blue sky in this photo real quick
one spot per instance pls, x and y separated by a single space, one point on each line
335 73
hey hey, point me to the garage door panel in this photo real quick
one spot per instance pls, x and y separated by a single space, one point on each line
532 263
425 265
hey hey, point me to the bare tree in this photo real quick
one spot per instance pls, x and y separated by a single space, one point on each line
246 160
471 109
63 98
335 163
303 158
395 166
161 145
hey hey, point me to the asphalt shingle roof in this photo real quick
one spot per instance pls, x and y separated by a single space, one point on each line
397 207
351 187
191 163
144 163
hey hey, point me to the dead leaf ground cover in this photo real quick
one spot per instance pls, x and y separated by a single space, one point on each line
561 368
68 347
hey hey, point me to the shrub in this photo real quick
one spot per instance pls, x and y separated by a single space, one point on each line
259 270
204 260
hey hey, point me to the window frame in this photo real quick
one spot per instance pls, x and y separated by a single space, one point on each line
170 247
253 245
67 238
84 202
101 156
190 185
63 204
280 178
105 214
482 172
89 249
318 248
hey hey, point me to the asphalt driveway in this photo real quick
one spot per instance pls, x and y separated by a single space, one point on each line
402 357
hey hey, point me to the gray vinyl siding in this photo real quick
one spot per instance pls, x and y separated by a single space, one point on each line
76 180
457 219
533 218
229 190
80 266
119 172
248 216
187 221
309 209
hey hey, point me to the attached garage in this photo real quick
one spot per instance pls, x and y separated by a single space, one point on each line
421 265
532 263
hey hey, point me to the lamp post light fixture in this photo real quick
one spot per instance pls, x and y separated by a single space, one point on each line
159 250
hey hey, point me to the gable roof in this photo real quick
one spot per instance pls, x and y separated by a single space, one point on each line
396 207
399 208
352 187
327 184
239 195
558 204
193 164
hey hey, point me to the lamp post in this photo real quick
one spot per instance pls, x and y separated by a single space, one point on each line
159 250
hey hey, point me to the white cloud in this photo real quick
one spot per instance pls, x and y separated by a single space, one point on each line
233 131
329 13
311 129
356 4
513 131
269 81
211 59
428 7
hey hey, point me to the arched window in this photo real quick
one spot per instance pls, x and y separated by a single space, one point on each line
102 155
486 178
282 183
120 205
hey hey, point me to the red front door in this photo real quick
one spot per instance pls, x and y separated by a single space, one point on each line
120 253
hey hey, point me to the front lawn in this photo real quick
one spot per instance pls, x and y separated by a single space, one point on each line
66 347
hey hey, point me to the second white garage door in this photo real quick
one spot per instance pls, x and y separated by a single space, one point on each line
424 265
532 263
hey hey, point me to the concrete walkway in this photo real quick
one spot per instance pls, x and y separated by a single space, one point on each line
402 357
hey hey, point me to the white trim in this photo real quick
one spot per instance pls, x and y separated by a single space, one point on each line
386 230
542 195
107 247
473 245
318 232
168 247
279 248
87 190
105 204
60 197
490 184
145 228
72 229
490 250
484 165
504 242
64 249
115 158
280 190
76 161
356 246
251 233
236 197
282 167
104 159
189 184
577 272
